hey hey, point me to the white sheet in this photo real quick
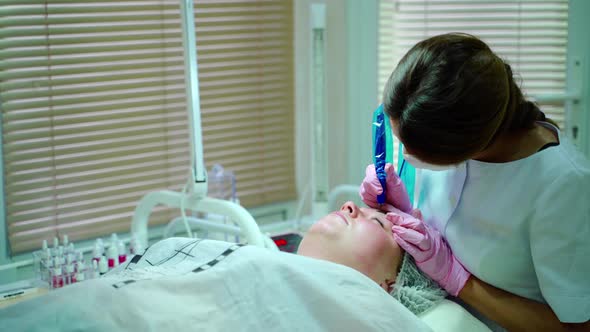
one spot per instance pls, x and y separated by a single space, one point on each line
448 316
182 284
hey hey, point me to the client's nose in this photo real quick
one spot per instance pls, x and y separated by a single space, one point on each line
350 208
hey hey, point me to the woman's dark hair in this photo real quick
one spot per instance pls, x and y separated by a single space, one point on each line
451 96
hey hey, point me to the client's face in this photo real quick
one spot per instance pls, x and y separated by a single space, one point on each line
360 238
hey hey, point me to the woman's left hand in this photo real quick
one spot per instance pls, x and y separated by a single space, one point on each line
431 252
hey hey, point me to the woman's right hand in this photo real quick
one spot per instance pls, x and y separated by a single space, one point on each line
431 252
395 191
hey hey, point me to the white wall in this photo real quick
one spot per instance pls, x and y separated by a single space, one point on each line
578 75
336 79
351 88
362 23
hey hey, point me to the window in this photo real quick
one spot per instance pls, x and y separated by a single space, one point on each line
530 35
93 109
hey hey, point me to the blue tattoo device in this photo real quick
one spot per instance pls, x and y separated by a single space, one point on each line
380 149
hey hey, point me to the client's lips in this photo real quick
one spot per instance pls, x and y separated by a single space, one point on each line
341 216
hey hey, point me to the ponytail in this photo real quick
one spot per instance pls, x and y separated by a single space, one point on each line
520 113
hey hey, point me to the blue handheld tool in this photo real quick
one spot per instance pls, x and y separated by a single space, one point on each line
379 149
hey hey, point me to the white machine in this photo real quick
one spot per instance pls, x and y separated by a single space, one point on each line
194 197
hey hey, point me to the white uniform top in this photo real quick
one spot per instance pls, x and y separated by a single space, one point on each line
522 226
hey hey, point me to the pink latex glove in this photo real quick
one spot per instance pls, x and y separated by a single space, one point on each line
431 252
395 193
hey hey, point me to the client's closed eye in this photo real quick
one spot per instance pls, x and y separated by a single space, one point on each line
379 221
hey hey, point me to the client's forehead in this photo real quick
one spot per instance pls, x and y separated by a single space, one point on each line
374 211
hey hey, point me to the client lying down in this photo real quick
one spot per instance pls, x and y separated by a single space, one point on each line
340 279
366 244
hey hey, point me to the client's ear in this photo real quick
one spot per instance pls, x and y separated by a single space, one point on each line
387 285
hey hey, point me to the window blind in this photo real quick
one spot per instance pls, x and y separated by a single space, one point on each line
94 116
530 35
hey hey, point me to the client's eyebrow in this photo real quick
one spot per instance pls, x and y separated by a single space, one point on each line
373 211
379 215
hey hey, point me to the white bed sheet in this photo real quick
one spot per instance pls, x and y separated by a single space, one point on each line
448 316
182 284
